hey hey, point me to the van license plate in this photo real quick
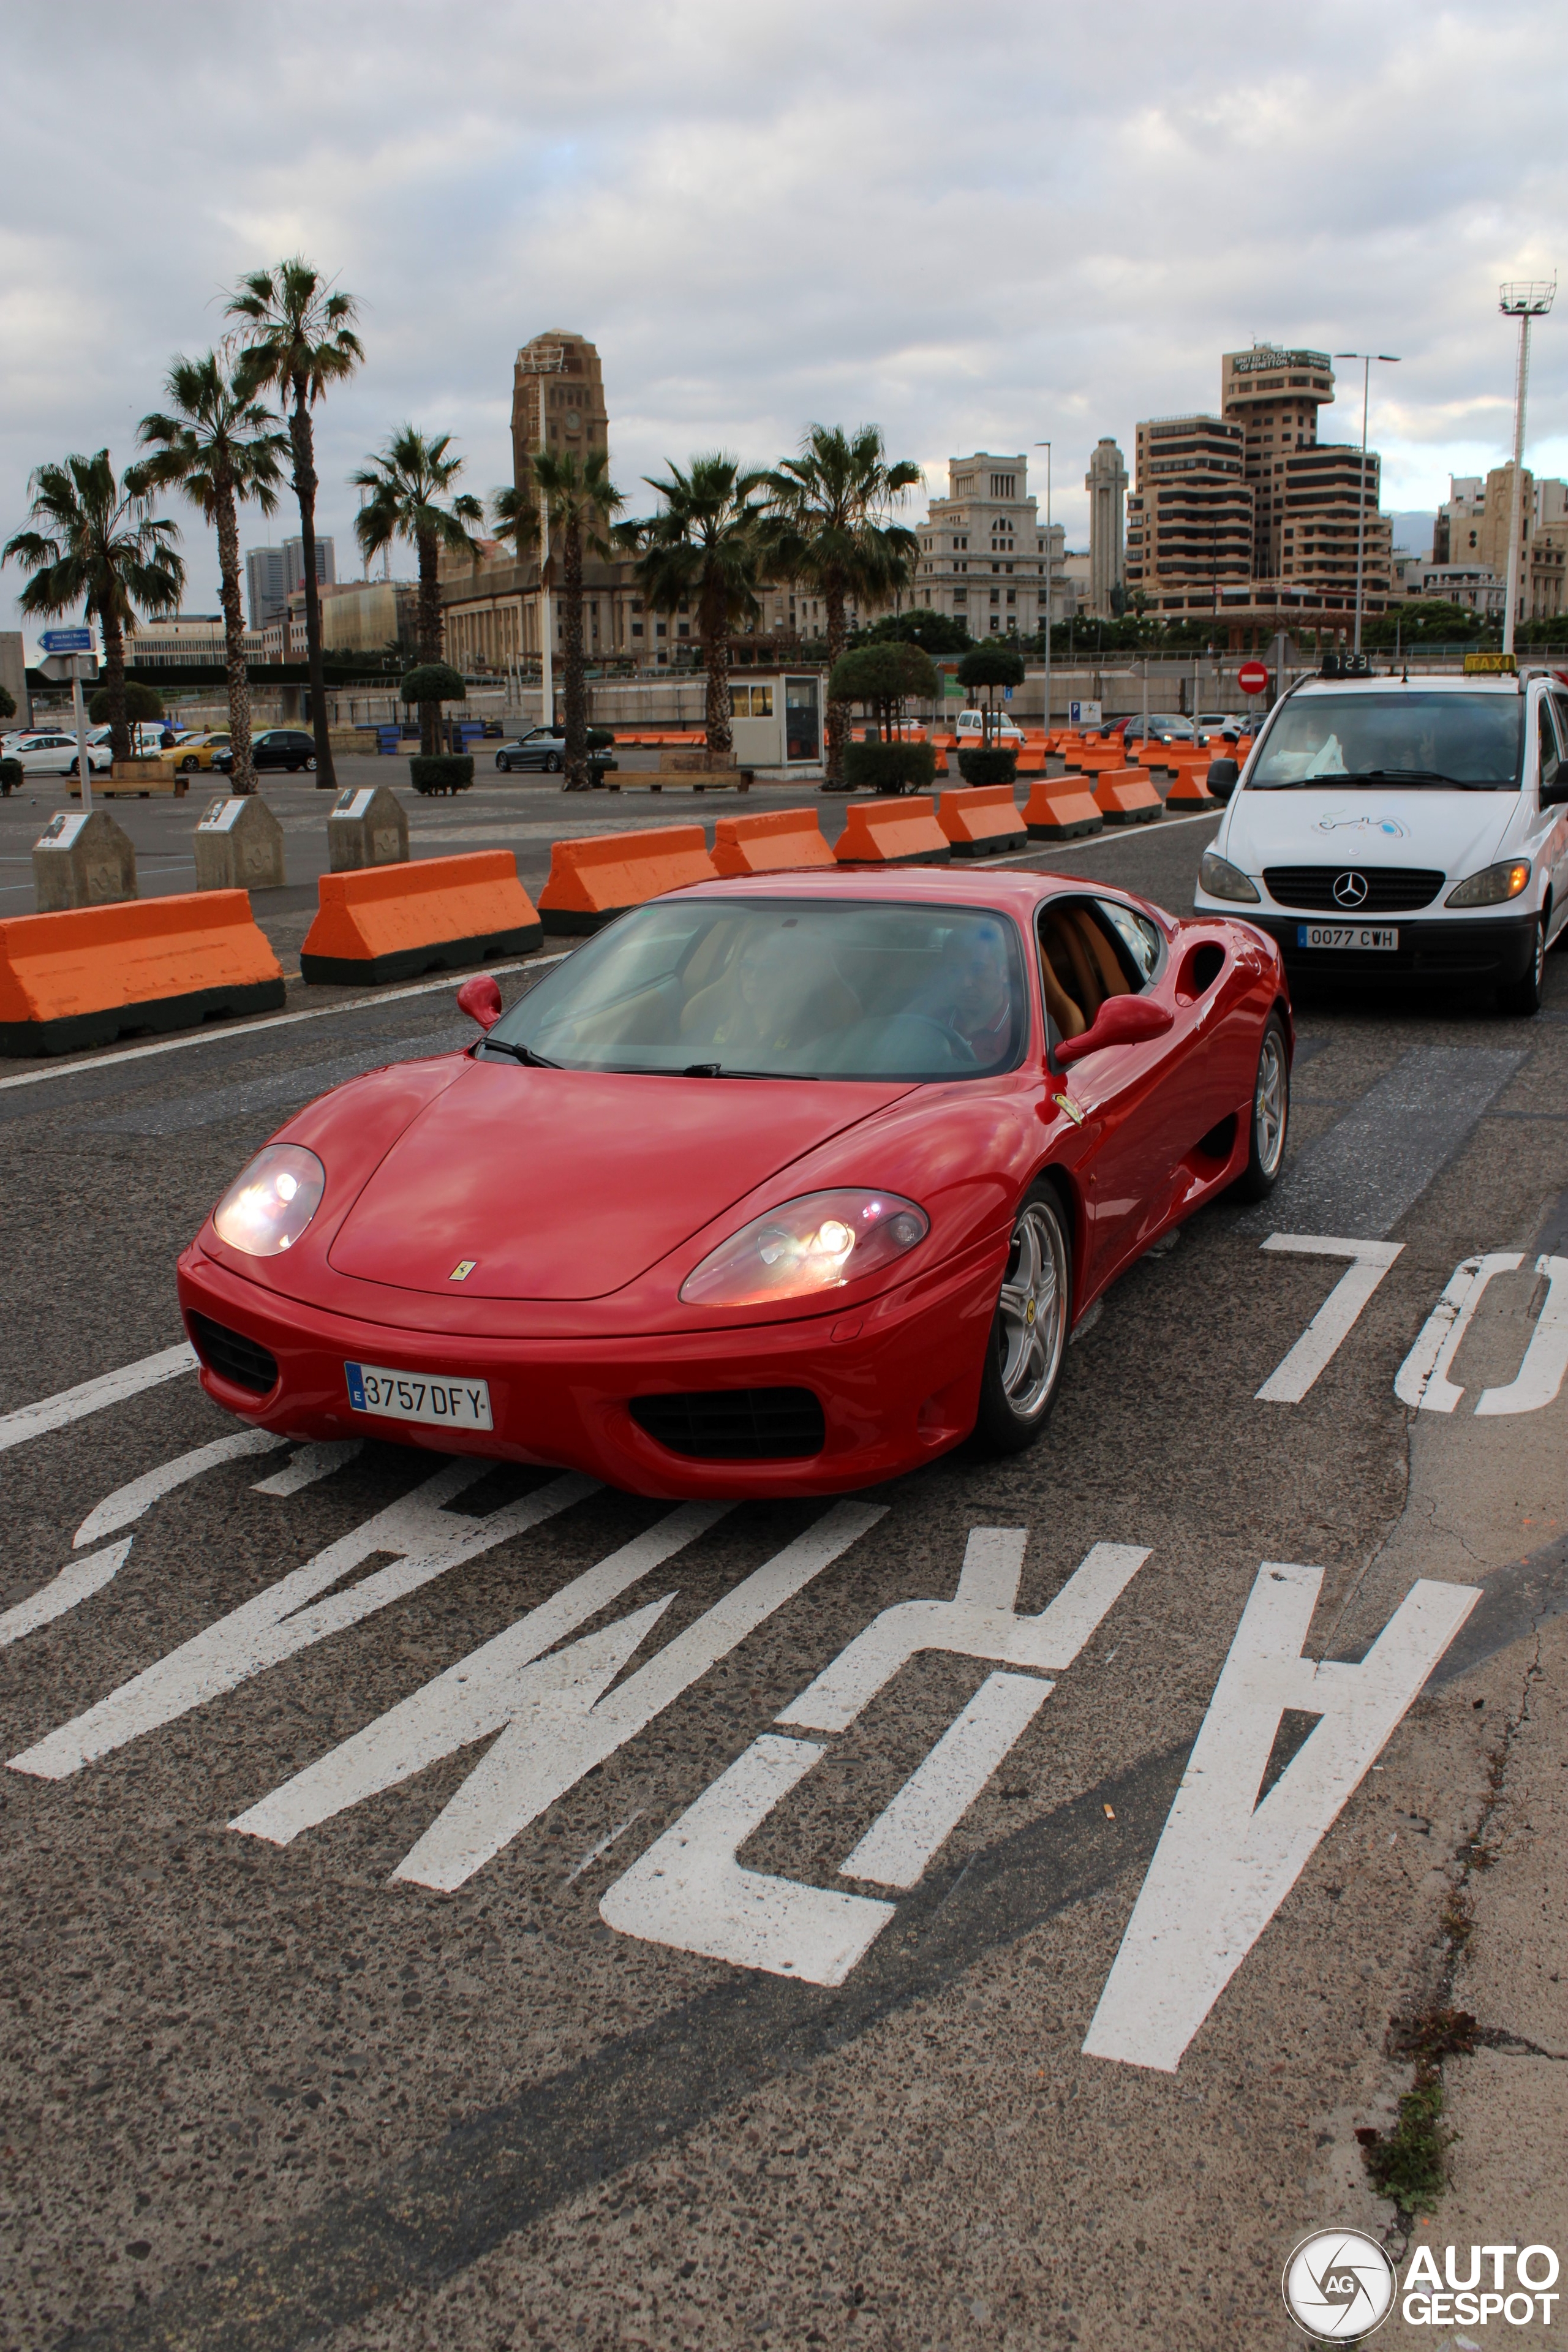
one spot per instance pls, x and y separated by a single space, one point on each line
418 1396
1346 935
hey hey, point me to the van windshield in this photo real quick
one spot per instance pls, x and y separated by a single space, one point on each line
779 989
1472 742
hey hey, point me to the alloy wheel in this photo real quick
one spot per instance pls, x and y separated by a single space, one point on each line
1033 1310
1269 1103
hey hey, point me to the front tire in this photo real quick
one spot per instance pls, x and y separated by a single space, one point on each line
1523 996
310 766
1025 1353
552 764
1270 1116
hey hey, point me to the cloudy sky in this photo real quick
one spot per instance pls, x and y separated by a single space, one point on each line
975 230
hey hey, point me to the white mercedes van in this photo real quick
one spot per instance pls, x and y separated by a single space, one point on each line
1402 826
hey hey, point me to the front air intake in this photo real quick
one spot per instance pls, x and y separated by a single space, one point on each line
735 1424
232 1356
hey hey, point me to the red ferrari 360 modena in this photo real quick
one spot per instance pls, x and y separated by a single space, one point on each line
775 1186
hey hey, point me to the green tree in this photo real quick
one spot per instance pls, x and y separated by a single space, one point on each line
7 703
97 548
580 504
299 340
934 632
143 703
989 666
829 523
883 678
411 498
703 549
218 445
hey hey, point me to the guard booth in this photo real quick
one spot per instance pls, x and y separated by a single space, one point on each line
777 720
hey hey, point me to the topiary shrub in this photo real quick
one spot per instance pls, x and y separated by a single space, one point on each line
12 775
889 768
143 702
992 767
441 772
599 739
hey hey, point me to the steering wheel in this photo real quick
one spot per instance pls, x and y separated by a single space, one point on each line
950 1036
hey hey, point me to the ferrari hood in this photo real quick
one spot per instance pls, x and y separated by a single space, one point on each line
1355 825
561 1184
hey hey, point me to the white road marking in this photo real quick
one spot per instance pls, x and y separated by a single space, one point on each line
317 1460
1319 1343
1540 1377
78 1581
129 1502
1224 1863
427 1540
91 1396
980 1624
689 1890
544 1753
905 1836
604 1846
486 1690
1422 1379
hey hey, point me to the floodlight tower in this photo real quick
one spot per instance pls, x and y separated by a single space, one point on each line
1524 299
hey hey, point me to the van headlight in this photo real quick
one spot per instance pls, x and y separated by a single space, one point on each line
1221 880
1491 885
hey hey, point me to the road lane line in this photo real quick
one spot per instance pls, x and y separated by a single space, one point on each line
1330 1326
92 1396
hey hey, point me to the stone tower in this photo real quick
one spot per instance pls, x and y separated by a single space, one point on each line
557 401
1106 482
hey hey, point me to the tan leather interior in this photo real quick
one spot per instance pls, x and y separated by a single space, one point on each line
1080 967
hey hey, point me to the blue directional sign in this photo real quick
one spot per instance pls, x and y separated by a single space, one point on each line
67 641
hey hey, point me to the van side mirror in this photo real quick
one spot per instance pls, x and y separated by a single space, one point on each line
1224 777
1121 1021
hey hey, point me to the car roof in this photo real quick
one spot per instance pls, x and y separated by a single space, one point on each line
1486 682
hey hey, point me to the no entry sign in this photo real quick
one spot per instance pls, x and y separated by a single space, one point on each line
1252 677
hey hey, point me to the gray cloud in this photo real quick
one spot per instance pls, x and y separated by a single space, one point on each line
977 230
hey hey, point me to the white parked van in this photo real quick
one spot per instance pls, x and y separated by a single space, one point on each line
1415 827
972 723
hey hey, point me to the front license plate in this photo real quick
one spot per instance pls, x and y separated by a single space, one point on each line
419 1396
1346 935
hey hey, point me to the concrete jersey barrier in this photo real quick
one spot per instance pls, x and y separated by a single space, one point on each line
981 820
89 975
1062 809
892 833
771 841
594 879
394 922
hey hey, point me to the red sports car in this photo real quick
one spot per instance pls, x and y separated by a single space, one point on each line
775 1186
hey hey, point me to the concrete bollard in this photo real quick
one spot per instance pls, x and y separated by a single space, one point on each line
82 861
366 825
239 846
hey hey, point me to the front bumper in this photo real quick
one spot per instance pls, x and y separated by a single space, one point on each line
1494 950
897 1380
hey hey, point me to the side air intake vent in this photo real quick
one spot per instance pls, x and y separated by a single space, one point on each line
735 1424
233 1357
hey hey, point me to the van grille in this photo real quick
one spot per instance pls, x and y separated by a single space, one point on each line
233 1357
735 1424
1389 889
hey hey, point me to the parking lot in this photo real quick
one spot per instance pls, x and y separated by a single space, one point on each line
339 2011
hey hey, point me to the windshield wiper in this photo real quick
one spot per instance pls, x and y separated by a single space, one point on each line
1422 776
519 1053
719 1070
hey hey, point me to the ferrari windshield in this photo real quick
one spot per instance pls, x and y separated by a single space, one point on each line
1397 737
772 988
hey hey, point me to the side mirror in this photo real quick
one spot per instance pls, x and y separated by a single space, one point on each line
1224 777
480 998
1121 1021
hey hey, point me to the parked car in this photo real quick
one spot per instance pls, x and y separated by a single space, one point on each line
1164 727
972 722
1222 722
541 748
194 751
275 747
47 752
151 738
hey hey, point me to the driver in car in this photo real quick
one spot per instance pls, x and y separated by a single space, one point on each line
976 1001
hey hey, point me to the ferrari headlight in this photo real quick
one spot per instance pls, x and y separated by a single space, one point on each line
1221 880
267 1208
1491 885
817 1243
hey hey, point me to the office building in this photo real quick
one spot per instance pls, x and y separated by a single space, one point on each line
1190 519
1106 482
294 564
983 552
266 585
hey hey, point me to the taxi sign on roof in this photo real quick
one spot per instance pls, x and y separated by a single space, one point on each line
1490 666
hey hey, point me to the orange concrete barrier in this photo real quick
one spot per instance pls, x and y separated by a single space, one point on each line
590 881
1125 796
1061 809
1030 760
892 833
89 975
981 820
1092 758
769 842
431 914
1189 795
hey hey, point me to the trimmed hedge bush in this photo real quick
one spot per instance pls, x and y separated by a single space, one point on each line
990 767
889 768
599 739
12 775
441 772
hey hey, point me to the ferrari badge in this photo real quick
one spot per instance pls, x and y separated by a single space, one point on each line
462 1270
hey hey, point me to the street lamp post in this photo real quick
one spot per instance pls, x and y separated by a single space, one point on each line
1385 359
1525 300
1045 621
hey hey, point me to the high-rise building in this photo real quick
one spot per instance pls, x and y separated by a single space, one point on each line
983 552
1275 396
1457 534
557 401
1106 482
294 564
266 585
1190 520
1306 494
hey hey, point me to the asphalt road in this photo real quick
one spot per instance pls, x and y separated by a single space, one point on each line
260 2090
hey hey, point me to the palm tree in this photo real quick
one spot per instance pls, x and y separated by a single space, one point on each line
97 547
219 445
703 549
298 338
580 503
829 523
407 485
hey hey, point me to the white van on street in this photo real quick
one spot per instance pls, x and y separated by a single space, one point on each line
972 723
1409 828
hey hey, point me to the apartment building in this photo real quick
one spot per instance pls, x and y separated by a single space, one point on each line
1190 519
984 552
